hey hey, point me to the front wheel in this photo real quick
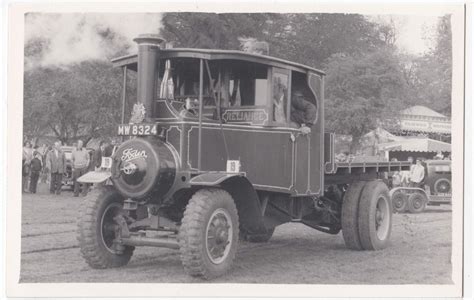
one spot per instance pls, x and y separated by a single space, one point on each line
97 230
209 233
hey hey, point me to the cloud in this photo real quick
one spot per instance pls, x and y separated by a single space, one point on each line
72 38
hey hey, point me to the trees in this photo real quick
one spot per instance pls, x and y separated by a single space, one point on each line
361 90
432 74
306 38
81 101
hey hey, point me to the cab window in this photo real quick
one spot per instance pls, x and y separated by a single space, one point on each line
244 84
280 88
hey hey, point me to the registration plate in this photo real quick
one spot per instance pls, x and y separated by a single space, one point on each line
137 129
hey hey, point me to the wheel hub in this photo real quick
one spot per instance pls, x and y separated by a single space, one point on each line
218 236
110 227
382 212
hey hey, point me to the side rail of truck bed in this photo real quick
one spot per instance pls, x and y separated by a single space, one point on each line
359 167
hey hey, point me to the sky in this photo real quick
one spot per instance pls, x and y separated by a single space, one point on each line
412 31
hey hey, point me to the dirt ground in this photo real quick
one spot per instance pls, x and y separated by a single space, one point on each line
420 253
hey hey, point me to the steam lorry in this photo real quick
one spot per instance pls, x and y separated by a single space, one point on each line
211 157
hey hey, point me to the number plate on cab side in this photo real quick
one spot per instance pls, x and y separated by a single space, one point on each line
137 129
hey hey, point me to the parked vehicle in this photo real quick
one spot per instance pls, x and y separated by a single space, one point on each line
67 176
214 157
436 191
68 181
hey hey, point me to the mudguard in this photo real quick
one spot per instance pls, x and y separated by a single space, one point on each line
412 189
245 197
212 179
95 177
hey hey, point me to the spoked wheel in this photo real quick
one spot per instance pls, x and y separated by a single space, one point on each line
416 203
399 202
209 233
219 233
96 230
109 227
443 186
375 216
382 218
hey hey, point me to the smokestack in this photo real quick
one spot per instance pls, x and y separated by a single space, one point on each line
149 46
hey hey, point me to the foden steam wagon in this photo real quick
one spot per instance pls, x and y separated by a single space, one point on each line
224 146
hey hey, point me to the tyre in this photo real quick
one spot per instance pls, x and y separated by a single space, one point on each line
261 238
350 215
96 230
375 216
209 234
399 202
416 203
442 186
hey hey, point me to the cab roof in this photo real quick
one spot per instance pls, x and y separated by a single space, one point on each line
212 54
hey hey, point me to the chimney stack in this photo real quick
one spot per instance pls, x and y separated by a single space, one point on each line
149 46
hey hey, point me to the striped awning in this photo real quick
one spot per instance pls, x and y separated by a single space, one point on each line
416 144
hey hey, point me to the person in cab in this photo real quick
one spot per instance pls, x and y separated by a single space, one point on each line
303 113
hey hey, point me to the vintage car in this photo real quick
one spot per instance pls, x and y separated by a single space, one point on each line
214 156
67 177
68 181
436 191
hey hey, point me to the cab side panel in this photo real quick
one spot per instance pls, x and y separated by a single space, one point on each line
265 154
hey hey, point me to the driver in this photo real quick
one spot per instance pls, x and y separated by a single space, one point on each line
303 113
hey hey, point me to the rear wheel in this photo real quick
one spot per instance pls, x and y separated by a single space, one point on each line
399 202
209 233
375 216
350 215
96 230
416 203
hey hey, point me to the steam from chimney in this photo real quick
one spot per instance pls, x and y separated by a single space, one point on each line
72 38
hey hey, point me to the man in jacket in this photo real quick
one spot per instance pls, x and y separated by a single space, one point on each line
80 164
56 165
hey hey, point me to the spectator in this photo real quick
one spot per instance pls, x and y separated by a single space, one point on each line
26 160
396 177
36 166
80 163
439 155
417 174
425 167
97 157
108 150
44 152
405 175
56 165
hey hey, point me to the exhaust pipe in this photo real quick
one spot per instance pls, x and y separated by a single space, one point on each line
149 46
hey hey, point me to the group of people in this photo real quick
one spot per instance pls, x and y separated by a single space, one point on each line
49 163
410 178
32 165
